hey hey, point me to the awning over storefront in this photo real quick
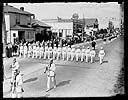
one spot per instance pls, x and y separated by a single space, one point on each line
21 27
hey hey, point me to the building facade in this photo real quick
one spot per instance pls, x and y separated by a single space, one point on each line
73 26
18 24
61 28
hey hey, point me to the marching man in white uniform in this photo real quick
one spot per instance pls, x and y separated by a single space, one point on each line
54 51
37 50
25 50
92 54
68 53
59 53
101 55
83 54
15 68
87 53
64 53
29 50
46 52
34 50
72 54
50 71
49 52
41 51
21 49
77 54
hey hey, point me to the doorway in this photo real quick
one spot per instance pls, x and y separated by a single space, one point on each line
21 35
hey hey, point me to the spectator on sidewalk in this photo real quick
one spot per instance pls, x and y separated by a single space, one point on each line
93 44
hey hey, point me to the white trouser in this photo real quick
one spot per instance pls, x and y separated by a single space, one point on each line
41 54
72 56
45 54
21 52
25 53
37 54
87 57
54 55
58 55
49 54
34 53
101 59
82 56
48 81
92 58
29 53
63 55
68 56
19 91
77 56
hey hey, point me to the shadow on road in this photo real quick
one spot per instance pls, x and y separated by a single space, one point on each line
105 61
31 79
63 83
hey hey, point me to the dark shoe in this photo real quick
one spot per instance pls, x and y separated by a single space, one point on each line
47 90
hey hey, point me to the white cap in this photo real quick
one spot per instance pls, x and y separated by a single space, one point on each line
88 47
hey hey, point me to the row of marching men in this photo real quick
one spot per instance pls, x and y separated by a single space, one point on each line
66 53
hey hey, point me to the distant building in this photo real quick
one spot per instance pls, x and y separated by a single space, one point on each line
73 26
60 27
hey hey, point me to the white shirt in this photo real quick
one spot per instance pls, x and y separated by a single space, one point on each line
52 69
92 53
101 53
21 47
87 51
59 49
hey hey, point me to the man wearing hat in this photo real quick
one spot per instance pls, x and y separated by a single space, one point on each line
101 55
63 53
77 54
41 50
50 71
83 54
54 51
49 52
59 53
72 54
15 68
87 53
37 50
34 50
92 54
29 50
68 52
46 52
25 50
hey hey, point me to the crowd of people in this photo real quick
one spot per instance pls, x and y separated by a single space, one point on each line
46 50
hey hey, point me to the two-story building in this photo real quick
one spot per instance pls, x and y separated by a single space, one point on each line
18 24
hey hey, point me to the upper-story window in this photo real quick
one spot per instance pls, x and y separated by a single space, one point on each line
17 19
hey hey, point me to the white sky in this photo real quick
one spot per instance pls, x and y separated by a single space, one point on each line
102 11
